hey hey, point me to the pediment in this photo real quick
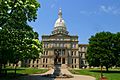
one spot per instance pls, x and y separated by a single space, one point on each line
60 35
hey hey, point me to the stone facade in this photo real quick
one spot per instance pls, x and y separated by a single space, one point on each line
59 44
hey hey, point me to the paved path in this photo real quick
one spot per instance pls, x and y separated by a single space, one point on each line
76 77
38 76
64 71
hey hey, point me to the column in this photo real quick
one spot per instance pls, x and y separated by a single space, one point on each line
66 57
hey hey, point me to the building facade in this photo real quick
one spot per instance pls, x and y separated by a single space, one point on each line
60 47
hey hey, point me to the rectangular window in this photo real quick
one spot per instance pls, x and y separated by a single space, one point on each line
37 61
72 60
37 66
72 66
33 61
43 60
75 60
75 66
32 65
46 60
72 53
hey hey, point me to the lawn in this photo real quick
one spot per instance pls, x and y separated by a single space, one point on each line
112 74
27 71
20 72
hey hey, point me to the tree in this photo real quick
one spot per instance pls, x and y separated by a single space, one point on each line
18 41
116 48
18 45
100 50
17 12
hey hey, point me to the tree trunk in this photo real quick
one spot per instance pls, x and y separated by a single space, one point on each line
15 69
101 71
107 68
4 66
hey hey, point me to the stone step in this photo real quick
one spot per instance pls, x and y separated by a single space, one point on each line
63 66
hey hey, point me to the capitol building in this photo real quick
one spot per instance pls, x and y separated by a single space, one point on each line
60 47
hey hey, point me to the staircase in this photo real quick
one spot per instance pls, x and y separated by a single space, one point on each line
63 66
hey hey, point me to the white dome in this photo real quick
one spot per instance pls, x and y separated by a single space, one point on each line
59 23
60 26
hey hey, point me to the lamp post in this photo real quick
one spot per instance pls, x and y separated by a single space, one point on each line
101 68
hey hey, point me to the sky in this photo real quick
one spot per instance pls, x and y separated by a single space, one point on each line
82 17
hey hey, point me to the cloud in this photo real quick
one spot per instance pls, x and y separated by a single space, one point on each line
88 12
110 9
103 9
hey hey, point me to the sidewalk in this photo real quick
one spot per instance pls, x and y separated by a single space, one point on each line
76 77
63 71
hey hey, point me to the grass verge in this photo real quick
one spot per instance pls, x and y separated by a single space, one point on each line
112 74
20 72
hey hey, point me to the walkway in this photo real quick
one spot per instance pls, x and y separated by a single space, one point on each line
64 71
76 77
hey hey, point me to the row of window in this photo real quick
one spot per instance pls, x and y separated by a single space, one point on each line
82 55
74 66
60 39
60 52
33 61
83 49
35 66
73 60
45 53
73 53
45 60
59 45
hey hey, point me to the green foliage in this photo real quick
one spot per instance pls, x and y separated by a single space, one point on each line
18 41
100 50
17 45
17 12
116 48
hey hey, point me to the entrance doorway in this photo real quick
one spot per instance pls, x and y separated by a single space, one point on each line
59 53
63 60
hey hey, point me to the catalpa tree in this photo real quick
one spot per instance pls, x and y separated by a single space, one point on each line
18 41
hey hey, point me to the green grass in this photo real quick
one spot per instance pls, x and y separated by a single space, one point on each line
20 72
112 74
32 71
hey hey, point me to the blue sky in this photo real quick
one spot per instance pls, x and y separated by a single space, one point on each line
82 17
